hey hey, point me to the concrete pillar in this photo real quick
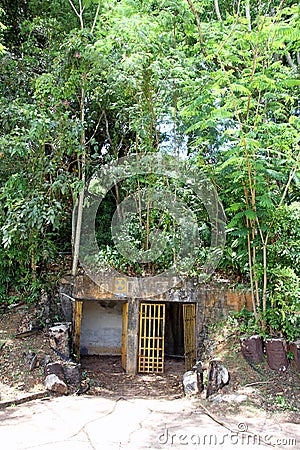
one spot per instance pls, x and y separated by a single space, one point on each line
132 335
200 320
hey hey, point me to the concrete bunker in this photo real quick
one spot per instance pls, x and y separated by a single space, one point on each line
143 332
161 332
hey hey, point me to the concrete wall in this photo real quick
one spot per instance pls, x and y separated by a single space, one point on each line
216 297
101 328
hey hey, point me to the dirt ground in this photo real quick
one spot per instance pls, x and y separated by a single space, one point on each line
270 391
106 377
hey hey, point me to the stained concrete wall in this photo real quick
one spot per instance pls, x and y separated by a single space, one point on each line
217 298
101 328
101 331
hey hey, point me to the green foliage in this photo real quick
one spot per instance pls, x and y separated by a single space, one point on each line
282 316
140 235
285 237
243 323
83 87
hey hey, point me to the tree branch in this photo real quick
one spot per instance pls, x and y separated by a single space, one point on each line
290 61
95 18
292 174
196 15
78 14
96 128
75 10
107 130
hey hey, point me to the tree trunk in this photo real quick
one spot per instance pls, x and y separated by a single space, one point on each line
218 10
81 196
248 15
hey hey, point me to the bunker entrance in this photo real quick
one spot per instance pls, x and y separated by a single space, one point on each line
166 330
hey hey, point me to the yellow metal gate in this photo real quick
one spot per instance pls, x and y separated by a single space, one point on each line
189 327
151 338
124 334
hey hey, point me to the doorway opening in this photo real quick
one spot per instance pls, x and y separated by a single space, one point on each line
101 333
174 336
166 330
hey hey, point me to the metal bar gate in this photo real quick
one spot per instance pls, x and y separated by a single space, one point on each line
189 327
151 338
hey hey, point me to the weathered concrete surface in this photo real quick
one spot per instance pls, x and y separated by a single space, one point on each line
132 336
216 296
82 423
101 328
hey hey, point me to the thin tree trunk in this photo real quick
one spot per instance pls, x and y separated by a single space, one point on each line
148 225
218 10
33 265
290 61
78 14
251 276
256 290
265 276
248 15
77 235
77 232
196 15
95 18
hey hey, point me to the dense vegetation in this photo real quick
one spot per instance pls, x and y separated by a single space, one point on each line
85 82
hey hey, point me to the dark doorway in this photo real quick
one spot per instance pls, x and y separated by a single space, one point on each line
174 334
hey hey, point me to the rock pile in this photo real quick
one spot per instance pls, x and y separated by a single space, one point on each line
218 377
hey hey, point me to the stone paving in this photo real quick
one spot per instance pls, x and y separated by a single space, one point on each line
83 423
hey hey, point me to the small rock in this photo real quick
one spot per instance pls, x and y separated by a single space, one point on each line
34 363
193 380
54 384
218 377
59 336
235 398
83 389
55 368
216 399
72 373
46 360
31 359
229 398
190 385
